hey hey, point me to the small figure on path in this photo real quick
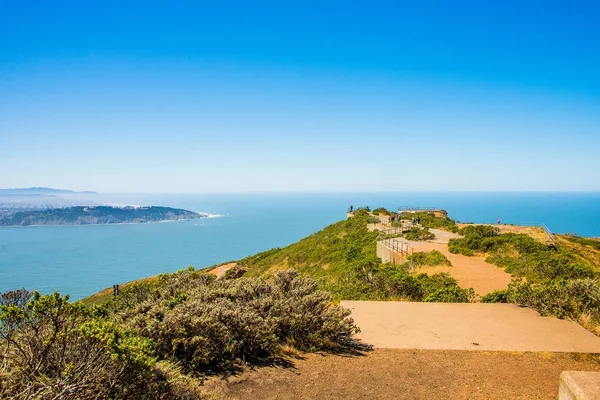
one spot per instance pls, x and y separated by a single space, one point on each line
498 221
351 208
418 220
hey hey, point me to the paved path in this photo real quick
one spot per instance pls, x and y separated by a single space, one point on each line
466 326
470 272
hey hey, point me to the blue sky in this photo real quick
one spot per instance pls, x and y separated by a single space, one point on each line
232 96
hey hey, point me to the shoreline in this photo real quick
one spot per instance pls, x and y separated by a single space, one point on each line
204 216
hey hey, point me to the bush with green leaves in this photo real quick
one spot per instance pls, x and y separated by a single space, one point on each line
205 324
578 299
381 211
430 220
477 238
373 220
497 296
419 234
55 349
431 258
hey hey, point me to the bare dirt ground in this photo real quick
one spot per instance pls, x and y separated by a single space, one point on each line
222 269
470 272
466 326
407 374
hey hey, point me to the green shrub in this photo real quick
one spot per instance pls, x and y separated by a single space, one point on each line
497 296
415 233
203 324
578 299
55 349
431 258
430 220
477 238
452 294
381 211
594 243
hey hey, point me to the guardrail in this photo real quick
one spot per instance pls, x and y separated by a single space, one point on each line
416 208
392 231
549 233
401 247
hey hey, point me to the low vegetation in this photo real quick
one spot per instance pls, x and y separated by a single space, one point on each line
342 257
151 339
593 243
430 220
431 258
558 281
417 234
381 211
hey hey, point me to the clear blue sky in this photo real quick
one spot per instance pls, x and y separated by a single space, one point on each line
300 96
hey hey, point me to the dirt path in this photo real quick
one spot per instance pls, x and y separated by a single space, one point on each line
466 326
408 374
222 269
470 272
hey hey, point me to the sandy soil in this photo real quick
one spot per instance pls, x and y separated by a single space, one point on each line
466 326
470 272
222 269
408 374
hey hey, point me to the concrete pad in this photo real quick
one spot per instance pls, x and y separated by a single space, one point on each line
579 385
466 326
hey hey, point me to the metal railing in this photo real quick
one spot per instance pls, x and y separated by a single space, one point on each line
549 233
401 247
416 208
392 231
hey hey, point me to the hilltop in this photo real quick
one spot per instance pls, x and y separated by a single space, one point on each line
96 215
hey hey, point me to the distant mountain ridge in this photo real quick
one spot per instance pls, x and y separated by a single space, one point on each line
96 215
42 191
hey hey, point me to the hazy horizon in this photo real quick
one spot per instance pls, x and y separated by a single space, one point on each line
92 192
272 97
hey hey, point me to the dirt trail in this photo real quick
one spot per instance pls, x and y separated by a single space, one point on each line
408 374
222 269
470 272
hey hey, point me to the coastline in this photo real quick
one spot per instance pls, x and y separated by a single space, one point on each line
204 216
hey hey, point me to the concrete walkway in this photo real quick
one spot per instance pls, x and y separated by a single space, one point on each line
466 326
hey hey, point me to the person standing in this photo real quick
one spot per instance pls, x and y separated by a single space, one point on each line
498 221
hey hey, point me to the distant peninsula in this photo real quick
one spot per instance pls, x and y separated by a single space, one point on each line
96 215
41 191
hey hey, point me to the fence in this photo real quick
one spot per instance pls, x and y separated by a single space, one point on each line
549 233
416 208
401 247
392 231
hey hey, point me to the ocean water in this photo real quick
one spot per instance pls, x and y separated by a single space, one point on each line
82 260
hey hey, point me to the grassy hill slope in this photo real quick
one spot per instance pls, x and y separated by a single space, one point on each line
342 257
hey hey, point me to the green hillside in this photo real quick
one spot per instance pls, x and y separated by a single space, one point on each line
342 257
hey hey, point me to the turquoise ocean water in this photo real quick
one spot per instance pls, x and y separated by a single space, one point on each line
82 260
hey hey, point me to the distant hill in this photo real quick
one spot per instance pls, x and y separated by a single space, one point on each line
41 191
96 215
